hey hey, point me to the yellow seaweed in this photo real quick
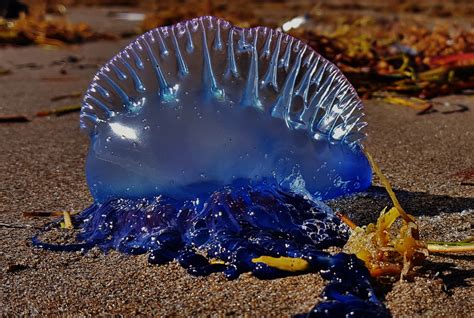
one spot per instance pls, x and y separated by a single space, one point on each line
375 245
288 264
67 224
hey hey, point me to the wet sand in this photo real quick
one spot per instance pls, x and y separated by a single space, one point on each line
42 169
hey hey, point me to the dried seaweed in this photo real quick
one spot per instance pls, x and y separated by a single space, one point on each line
377 53
36 29
167 13
392 246
66 96
15 118
59 111
413 60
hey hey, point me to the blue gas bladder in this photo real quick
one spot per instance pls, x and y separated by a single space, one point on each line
189 108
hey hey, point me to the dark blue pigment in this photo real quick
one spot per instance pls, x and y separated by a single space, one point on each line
235 224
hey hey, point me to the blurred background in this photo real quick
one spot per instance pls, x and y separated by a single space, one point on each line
389 50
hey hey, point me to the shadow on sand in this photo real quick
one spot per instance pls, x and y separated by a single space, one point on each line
365 207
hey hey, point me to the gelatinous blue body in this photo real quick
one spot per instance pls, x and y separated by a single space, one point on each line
189 108
234 225
209 141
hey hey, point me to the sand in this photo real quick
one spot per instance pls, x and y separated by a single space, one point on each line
42 169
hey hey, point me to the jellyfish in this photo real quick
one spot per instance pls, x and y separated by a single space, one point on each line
215 146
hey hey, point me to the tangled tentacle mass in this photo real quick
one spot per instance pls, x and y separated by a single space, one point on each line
228 232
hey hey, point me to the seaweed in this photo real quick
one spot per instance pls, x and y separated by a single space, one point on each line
36 29
378 56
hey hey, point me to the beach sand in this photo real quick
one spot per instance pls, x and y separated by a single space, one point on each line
42 169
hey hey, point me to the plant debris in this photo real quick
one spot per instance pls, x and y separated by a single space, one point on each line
384 254
403 57
4 71
39 30
15 118
167 13
67 220
388 253
60 78
19 118
67 223
284 263
66 96
451 247
374 244
378 53
421 105
59 111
